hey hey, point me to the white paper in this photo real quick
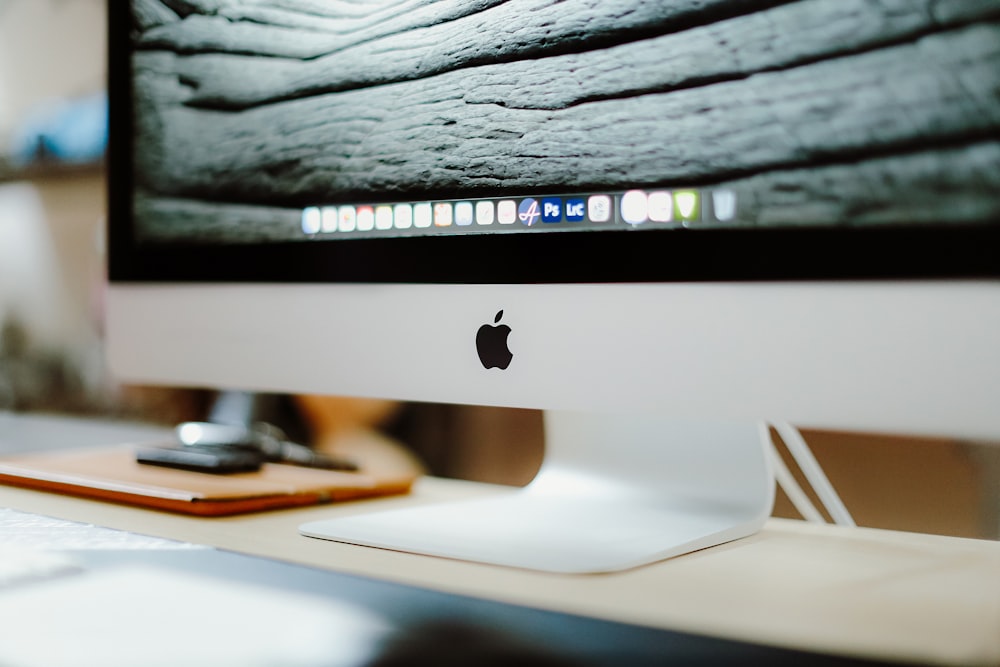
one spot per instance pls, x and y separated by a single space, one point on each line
144 616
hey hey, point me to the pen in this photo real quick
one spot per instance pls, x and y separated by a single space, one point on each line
265 438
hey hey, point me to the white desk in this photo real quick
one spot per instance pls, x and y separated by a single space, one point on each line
856 592
848 591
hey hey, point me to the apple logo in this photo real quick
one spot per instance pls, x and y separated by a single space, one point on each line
491 343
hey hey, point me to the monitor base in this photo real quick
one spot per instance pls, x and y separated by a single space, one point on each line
615 491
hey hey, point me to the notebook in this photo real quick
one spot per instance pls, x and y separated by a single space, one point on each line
111 473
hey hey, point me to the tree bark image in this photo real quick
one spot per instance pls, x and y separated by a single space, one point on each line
814 112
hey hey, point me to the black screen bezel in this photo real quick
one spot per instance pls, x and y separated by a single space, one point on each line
794 253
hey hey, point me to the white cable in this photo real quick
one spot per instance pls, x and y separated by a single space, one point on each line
792 489
803 456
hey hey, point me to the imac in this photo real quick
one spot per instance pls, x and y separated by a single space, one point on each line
665 224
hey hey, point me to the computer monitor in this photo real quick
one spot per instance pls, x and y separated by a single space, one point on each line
684 219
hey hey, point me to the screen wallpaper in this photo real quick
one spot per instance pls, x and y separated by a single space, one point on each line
289 120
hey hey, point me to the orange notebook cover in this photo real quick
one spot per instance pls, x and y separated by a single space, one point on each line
113 474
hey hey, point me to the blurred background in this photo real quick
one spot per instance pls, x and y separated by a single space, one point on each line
53 133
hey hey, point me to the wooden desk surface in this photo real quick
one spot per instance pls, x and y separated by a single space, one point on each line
856 592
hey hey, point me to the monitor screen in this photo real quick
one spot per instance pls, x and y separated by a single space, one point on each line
667 203
257 125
